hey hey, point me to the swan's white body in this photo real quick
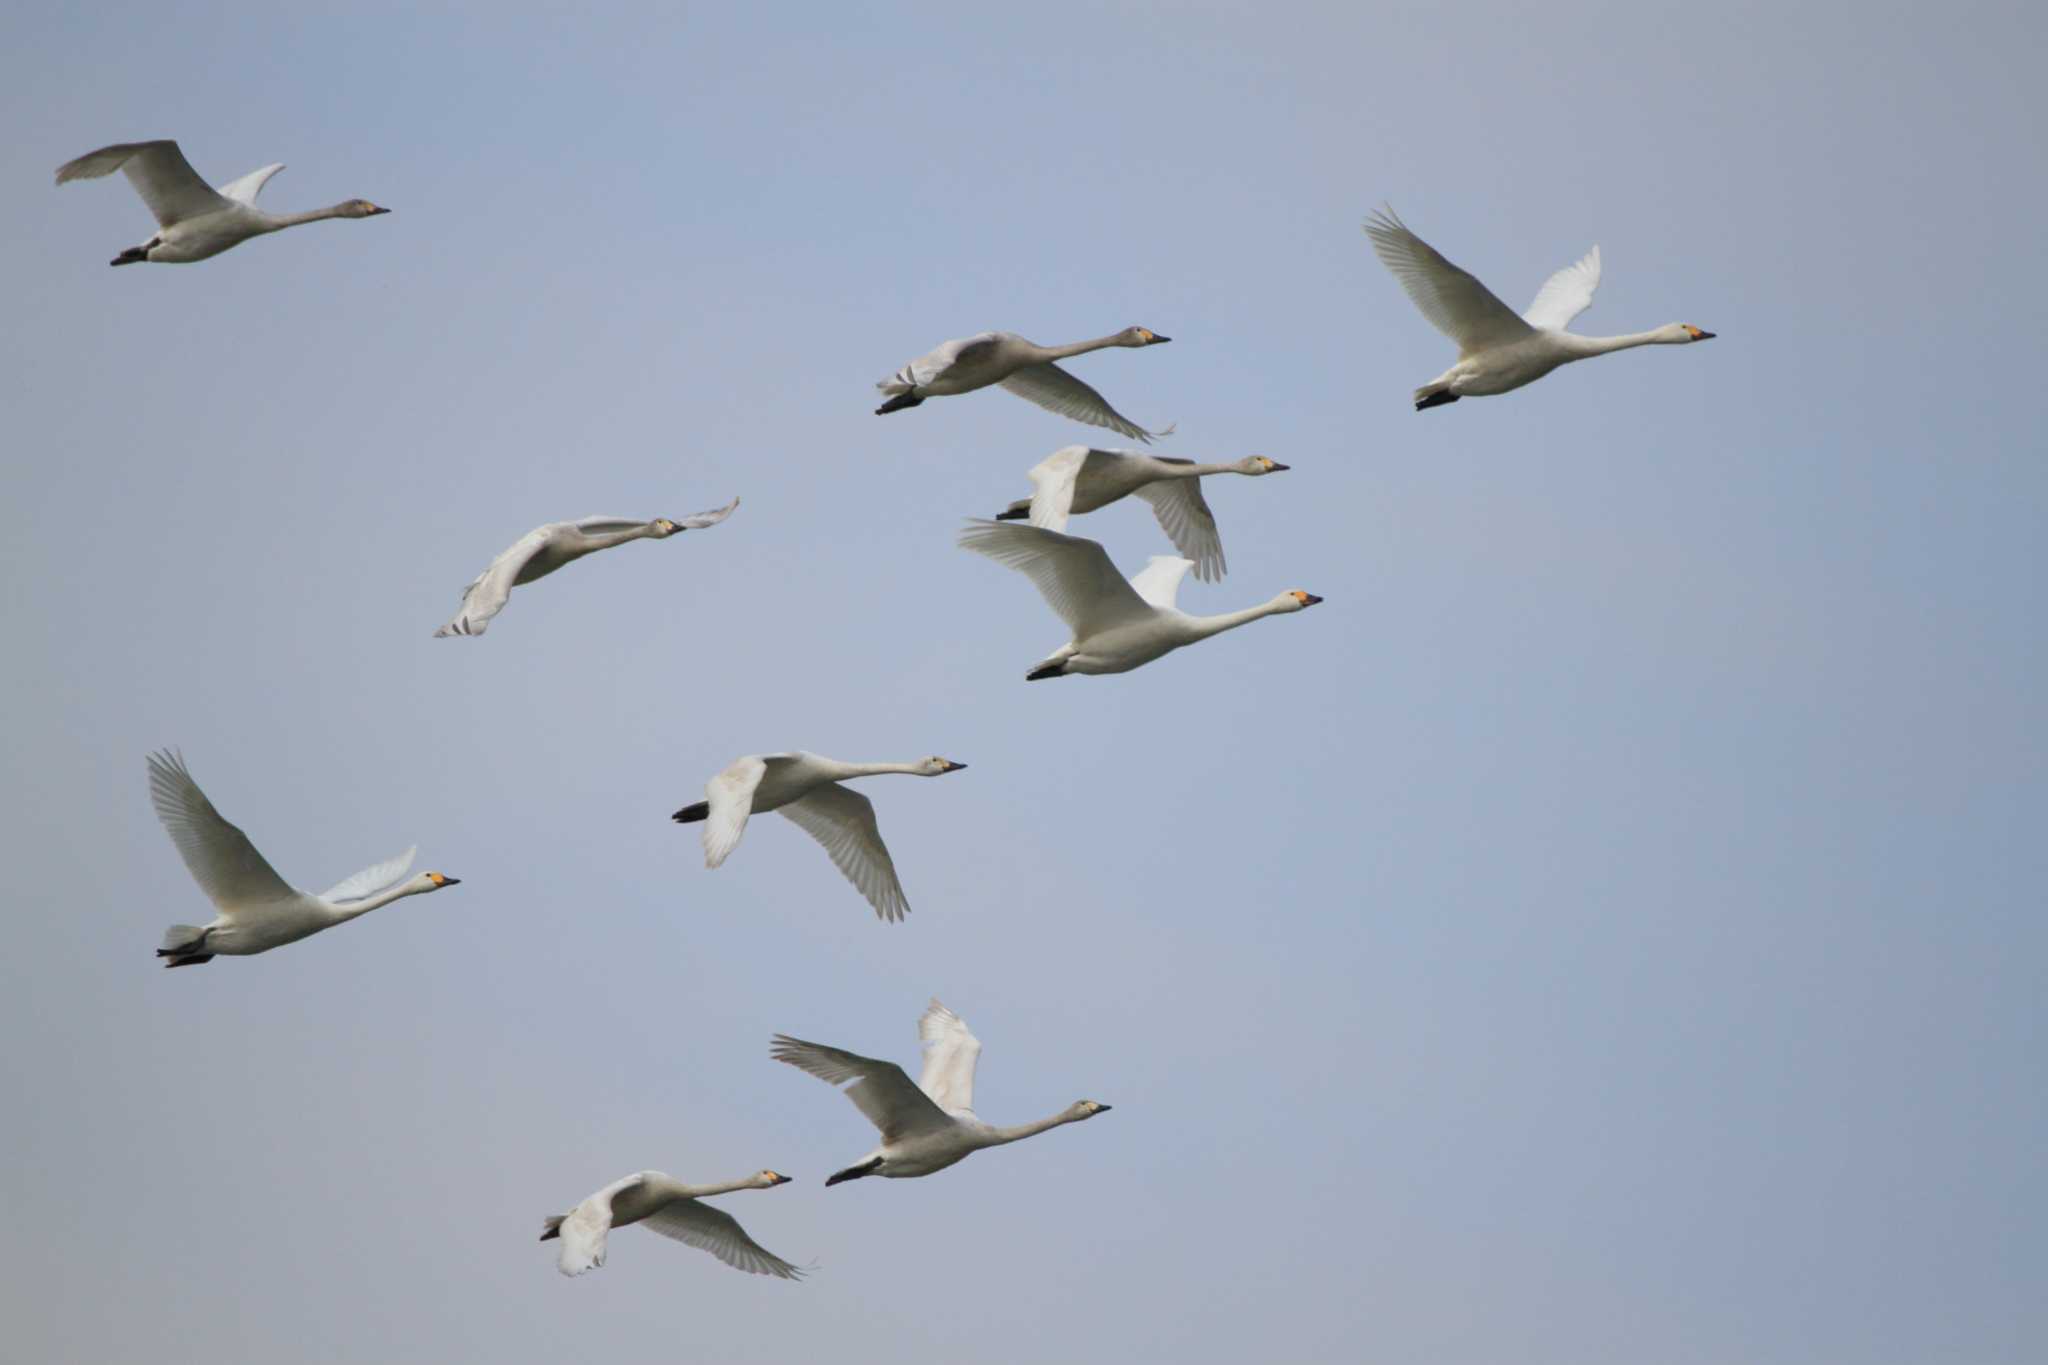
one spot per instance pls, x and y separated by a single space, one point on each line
1024 368
928 1126
194 220
805 787
667 1206
1077 479
547 548
259 910
1118 624
1498 351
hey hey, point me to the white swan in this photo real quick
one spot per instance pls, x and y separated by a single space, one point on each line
547 548
805 787
1077 479
1117 625
194 220
667 1206
258 910
1024 368
1498 351
928 1126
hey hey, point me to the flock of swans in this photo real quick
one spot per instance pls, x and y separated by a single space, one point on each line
1116 624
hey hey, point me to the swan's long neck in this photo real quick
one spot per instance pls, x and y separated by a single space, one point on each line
1205 626
846 770
274 221
1195 471
998 1136
682 1191
1076 348
606 539
1582 346
366 905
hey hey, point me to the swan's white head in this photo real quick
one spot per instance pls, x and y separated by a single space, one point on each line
1684 334
361 208
937 767
1087 1109
430 881
1296 600
1140 336
1256 465
768 1180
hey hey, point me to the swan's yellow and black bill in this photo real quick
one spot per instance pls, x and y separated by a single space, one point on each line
1697 334
1307 599
438 880
953 767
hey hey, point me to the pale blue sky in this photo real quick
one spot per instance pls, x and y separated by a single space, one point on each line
1608 929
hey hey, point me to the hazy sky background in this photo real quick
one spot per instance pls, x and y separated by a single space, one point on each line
1609 929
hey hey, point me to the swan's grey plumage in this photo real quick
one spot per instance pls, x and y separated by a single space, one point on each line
1078 479
547 548
663 1204
1024 368
805 787
194 220
927 1126
258 910
1499 351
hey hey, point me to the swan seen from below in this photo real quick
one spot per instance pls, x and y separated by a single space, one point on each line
258 910
194 220
928 1126
1077 479
547 548
1117 624
806 788
1024 368
1498 351
665 1205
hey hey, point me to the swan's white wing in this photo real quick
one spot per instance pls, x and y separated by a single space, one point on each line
245 190
880 1089
950 1052
1566 294
583 1231
371 879
220 857
1456 304
1053 389
697 521
1159 581
1052 486
731 798
1185 517
159 173
1074 575
844 822
716 1231
486 595
941 358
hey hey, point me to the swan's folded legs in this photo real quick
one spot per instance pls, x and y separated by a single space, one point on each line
855 1172
1435 400
900 402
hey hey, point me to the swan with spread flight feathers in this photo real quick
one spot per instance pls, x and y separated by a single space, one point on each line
1024 368
806 788
194 220
1118 624
663 1204
258 909
928 1126
1498 351
547 548
1077 479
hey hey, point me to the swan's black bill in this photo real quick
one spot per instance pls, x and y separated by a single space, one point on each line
1104 1108
449 881
1277 467
953 767
1158 340
1309 599
375 211
1706 336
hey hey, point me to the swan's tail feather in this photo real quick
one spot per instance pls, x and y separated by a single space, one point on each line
551 1229
690 815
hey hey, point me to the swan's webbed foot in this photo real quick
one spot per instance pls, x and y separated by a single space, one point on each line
1435 400
690 815
900 402
1014 514
132 256
855 1172
1056 669
183 959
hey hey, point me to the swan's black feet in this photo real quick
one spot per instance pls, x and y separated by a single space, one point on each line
899 402
1435 400
132 256
1014 514
690 815
855 1172
1044 671
178 959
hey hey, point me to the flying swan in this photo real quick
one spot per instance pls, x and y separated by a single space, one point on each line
928 1126
258 911
805 787
194 220
1077 479
547 548
1024 368
1498 351
667 1206
1117 625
